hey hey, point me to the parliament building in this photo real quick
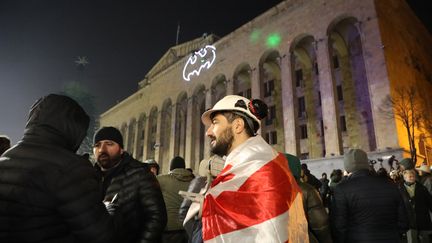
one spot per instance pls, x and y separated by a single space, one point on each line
325 68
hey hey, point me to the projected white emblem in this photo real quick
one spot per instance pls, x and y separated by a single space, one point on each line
204 58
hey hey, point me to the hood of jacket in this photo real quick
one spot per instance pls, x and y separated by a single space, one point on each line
57 120
182 174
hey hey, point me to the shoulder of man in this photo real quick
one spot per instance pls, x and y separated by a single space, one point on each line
132 163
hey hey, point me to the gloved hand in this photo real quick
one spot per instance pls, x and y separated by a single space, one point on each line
110 207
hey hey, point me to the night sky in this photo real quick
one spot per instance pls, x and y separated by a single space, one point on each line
41 39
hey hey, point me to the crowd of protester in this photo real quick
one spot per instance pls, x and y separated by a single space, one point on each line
245 191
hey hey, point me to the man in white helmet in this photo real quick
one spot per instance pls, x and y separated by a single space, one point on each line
255 198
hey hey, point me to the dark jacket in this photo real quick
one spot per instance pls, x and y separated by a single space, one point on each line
367 208
47 192
426 180
418 207
312 180
316 214
139 198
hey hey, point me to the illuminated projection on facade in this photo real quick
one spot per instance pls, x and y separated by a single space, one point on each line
204 58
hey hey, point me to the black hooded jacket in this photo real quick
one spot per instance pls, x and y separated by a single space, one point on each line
47 192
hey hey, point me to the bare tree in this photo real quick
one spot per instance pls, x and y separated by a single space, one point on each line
405 107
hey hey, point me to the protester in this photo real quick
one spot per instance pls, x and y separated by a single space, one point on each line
366 208
382 173
129 185
308 178
176 180
324 189
4 144
208 170
153 165
418 203
316 214
47 192
255 198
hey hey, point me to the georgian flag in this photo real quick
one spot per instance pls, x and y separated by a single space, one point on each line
254 199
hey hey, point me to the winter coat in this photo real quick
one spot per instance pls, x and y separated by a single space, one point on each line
139 200
312 180
426 180
367 208
47 192
171 183
324 190
318 221
418 207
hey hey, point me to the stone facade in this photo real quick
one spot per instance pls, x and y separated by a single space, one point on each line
324 83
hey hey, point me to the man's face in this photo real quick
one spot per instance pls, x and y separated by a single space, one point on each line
221 135
107 153
409 176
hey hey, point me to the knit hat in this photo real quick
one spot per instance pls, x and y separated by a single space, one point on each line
177 162
356 159
108 133
407 163
294 165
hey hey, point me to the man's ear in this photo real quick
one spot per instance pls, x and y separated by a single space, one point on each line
238 125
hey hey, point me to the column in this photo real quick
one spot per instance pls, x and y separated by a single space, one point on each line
332 136
157 140
189 146
173 131
255 83
136 139
206 139
229 87
288 111
126 137
146 129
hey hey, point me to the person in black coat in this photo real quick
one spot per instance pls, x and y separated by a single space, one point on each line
418 203
130 188
47 192
366 208
308 178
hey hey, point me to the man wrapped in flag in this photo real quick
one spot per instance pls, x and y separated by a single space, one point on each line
255 198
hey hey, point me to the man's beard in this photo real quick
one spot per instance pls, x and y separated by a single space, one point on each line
223 143
107 162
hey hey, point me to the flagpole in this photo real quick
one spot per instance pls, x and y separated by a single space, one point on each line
178 33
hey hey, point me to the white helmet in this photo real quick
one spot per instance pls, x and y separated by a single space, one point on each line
255 109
